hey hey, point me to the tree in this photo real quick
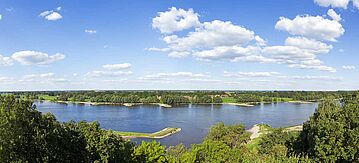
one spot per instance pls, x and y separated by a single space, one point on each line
331 134
150 152
232 135
28 136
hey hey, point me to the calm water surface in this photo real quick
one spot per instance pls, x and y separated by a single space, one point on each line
195 120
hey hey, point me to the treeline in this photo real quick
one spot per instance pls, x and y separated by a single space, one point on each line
281 96
26 135
182 97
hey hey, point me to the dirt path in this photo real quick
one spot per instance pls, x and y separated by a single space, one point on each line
254 132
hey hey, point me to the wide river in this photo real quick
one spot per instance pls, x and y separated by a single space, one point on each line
195 120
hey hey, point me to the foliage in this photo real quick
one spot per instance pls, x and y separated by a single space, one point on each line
232 135
332 133
28 136
150 152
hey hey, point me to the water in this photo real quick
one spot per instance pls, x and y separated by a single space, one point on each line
195 120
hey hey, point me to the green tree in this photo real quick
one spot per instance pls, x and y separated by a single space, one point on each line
331 134
232 135
150 152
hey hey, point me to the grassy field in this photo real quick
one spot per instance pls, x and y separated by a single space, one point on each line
160 134
47 97
229 100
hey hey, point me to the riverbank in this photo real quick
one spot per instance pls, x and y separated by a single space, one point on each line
156 135
240 104
259 130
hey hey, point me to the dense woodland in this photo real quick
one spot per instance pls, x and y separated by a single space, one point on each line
182 97
26 135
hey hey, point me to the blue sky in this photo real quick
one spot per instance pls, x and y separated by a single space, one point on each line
179 44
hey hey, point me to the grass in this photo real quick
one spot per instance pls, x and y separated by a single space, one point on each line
229 100
163 133
47 97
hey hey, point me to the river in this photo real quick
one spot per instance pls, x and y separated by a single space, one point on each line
194 120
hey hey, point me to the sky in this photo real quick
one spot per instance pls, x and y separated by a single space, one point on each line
179 45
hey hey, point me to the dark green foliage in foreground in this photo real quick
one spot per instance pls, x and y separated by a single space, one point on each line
26 135
332 133
277 142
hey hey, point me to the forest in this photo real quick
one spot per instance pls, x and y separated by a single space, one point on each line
181 97
330 135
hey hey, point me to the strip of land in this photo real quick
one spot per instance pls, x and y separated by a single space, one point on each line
156 135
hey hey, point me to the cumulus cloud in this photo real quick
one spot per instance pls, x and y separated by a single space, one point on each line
334 15
51 15
90 31
223 52
310 45
0 16
175 20
348 67
296 57
316 27
333 3
36 58
223 40
5 61
117 66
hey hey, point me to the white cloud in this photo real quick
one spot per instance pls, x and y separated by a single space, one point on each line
36 58
47 74
334 15
310 45
333 3
117 66
175 20
51 15
249 74
260 41
228 52
58 8
90 31
36 77
348 67
165 76
308 77
315 27
356 3
5 61
222 40
0 16
317 67
254 58
296 57
108 73
209 35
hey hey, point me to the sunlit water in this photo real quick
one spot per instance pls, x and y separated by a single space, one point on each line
195 120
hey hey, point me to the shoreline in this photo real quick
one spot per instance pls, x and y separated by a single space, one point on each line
156 135
170 106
